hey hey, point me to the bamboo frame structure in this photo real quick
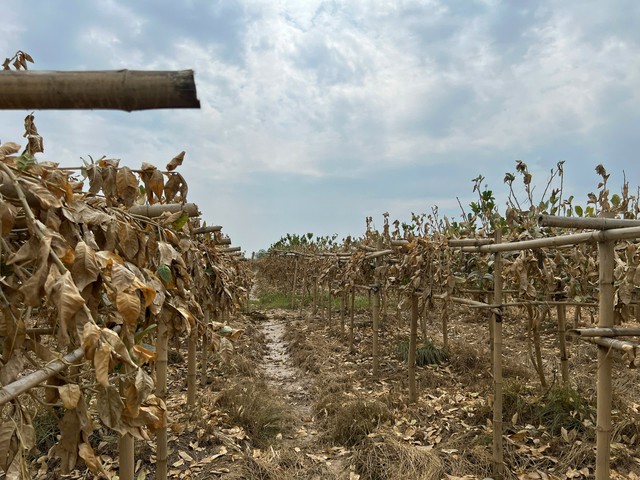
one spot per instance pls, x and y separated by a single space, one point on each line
127 90
192 349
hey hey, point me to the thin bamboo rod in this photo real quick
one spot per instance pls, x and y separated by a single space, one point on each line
413 340
564 357
192 349
399 243
379 253
498 448
222 241
586 222
352 320
603 421
469 242
230 249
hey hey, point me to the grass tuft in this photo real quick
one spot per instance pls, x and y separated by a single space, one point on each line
349 420
426 354
255 408
391 459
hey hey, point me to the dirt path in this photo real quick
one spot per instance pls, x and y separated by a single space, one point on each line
296 389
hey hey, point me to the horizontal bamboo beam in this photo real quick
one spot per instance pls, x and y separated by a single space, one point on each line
469 242
379 253
127 90
222 241
399 243
586 222
605 332
18 387
571 239
231 249
211 229
156 210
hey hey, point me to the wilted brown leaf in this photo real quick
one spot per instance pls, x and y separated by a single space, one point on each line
70 395
176 161
127 186
85 269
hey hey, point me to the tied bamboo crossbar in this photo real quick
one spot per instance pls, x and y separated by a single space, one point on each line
127 90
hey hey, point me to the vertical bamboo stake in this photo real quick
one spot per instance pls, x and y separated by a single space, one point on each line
351 320
204 356
295 279
562 328
126 468
376 319
161 392
330 304
376 326
191 366
413 337
303 285
315 296
498 451
445 323
605 317
322 305
343 308
126 443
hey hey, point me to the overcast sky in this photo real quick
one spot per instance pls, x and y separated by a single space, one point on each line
316 114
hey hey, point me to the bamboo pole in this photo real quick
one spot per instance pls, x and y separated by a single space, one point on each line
127 90
469 242
315 296
352 320
210 229
156 210
161 392
375 311
413 340
330 307
191 366
376 320
606 332
295 279
564 357
558 241
498 448
605 320
204 355
343 307
586 222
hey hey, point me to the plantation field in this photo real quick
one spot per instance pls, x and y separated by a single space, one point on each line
295 403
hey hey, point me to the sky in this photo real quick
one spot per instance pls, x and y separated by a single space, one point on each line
317 114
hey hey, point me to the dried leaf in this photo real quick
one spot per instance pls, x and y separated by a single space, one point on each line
110 408
85 269
70 395
127 186
176 161
93 463
128 305
101 361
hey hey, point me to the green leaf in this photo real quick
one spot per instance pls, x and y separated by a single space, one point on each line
615 200
578 210
180 222
164 272
25 161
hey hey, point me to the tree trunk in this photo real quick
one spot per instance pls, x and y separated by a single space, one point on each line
191 366
161 392
564 357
